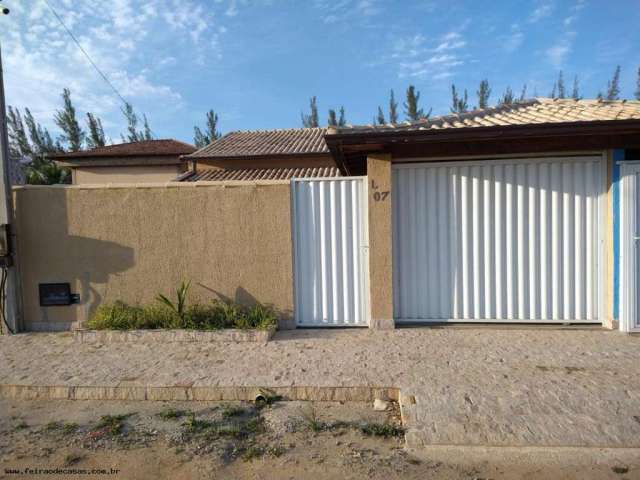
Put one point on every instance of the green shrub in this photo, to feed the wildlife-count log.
(116, 316)
(214, 316)
(205, 317)
(180, 306)
(260, 316)
(156, 316)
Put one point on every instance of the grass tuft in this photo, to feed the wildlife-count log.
(112, 424)
(385, 430)
(229, 411)
(72, 459)
(172, 414)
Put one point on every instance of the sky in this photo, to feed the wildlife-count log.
(257, 62)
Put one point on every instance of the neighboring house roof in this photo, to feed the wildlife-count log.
(147, 148)
(256, 143)
(244, 174)
(529, 112)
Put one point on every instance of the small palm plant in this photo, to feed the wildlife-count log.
(180, 307)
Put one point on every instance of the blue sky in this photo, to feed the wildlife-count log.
(257, 62)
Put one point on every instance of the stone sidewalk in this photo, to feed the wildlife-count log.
(466, 386)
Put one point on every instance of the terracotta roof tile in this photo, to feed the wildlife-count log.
(244, 174)
(266, 142)
(145, 148)
(529, 112)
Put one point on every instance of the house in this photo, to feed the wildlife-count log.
(136, 162)
(523, 213)
(509, 214)
(263, 155)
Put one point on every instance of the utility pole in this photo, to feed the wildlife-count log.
(9, 303)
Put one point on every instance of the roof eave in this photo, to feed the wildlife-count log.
(262, 156)
(120, 160)
(484, 133)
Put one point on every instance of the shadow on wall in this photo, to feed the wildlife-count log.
(243, 297)
(103, 259)
(99, 260)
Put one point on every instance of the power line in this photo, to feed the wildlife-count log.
(73, 37)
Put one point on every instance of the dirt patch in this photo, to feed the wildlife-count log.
(272, 440)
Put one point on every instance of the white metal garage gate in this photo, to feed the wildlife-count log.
(514, 240)
(331, 252)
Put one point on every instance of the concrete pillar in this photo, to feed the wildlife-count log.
(380, 241)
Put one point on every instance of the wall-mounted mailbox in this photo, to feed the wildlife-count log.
(56, 294)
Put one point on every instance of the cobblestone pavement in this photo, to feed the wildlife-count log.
(472, 386)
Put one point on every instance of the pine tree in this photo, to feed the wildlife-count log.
(18, 141)
(31, 145)
(393, 108)
(311, 120)
(560, 84)
(412, 108)
(380, 118)
(484, 92)
(613, 86)
(146, 132)
(523, 93)
(211, 131)
(459, 104)
(133, 134)
(333, 119)
(575, 91)
(72, 134)
(507, 97)
(41, 141)
(132, 123)
(95, 137)
(637, 93)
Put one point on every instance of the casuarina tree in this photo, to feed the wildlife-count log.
(72, 134)
(559, 90)
(211, 133)
(507, 97)
(484, 92)
(613, 86)
(412, 108)
(459, 104)
(95, 135)
(311, 120)
(393, 108)
(133, 134)
(575, 91)
(30, 146)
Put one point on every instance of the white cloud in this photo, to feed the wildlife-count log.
(129, 40)
(558, 52)
(334, 11)
(232, 10)
(435, 61)
(513, 40)
(540, 12)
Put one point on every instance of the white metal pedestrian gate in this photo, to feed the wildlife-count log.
(630, 244)
(331, 251)
(514, 240)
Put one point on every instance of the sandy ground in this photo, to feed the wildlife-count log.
(284, 440)
(472, 386)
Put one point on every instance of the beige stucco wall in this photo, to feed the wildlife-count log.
(125, 174)
(380, 240)
(131, 243)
